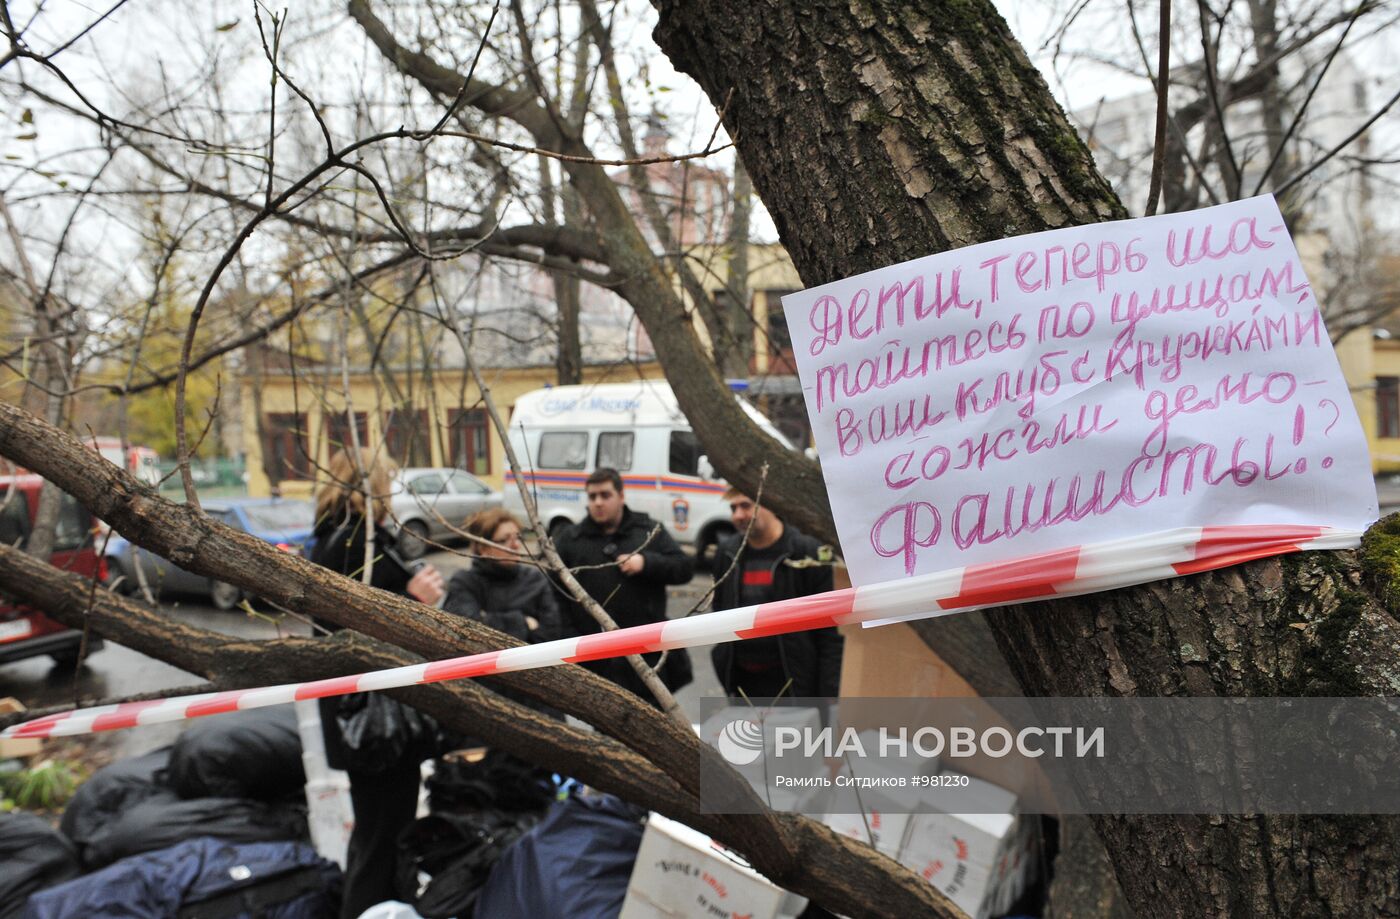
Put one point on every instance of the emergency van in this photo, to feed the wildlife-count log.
(563, 433)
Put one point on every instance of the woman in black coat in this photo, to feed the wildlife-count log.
(499, 589)
(384, 795)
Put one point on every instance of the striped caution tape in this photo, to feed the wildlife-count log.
(1064, 572)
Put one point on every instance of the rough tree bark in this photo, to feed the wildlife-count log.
(885, 130)
(796, 852)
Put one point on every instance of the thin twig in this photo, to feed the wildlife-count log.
(1159, 144)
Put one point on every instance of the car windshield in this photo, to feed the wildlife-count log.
(284, 515)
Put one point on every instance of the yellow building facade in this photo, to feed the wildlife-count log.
(442, 421)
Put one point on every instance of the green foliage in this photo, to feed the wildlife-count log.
(47, 785)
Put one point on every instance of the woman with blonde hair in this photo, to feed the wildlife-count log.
(502, 589)
(384, 794)
(340, 527)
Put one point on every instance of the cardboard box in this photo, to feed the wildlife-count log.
(876, 816)
(17, 747)
(976, 860)
(760, 771)
(893, 662)
(884, 832)
(681, 873)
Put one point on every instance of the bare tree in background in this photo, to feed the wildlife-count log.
(1266, 96)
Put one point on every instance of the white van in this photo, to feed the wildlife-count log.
(563, 433)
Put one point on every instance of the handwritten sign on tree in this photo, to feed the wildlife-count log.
(1078, 386)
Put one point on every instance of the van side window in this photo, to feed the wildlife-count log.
(563, 450)
(14, 518)
(615, 450)
(685, 453)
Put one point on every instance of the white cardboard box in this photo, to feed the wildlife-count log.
(971, 858)
(681, 873)
(760, 773)
(885, 832)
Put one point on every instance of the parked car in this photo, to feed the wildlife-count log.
(428, 503)
(284, 522)
(25, 632)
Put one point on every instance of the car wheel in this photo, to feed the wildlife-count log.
(557, 526)
(223, 596)
(413, 540)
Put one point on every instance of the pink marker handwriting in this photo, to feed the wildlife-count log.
(1040, 270)
(894, 305)
(929, 463)
(1131, 355)
(895, 361)
(1044, 377)
(1242, 389)
(987, 517)
(1213, 293)
(1196, 243)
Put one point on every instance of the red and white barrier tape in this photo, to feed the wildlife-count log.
(1065, 572)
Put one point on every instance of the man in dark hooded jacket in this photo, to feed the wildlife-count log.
(777, 562)
(624, 560)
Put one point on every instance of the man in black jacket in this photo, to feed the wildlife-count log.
(624, 560)
(776, 563)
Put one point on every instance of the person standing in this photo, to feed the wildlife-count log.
(777, 562)
(384, 795)
(624, 560)
(501, 588)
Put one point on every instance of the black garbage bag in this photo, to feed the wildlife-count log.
(110, 791)
(202, 879)
(33, 856)
(445, 859)
(378, 733)
(253, 754)
(576, 862)
(497, 781)
(165, 819)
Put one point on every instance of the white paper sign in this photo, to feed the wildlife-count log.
(1078, 386)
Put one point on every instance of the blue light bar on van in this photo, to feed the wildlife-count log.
(738, 385)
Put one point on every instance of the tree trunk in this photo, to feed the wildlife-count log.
(735, 357)
(568, 364)
(887, 130)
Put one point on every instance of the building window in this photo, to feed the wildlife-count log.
(338, 432)
(285, 454)
(779, 339)
(1388, 406)
(779, 344)
(470, 440)
(406, 437)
